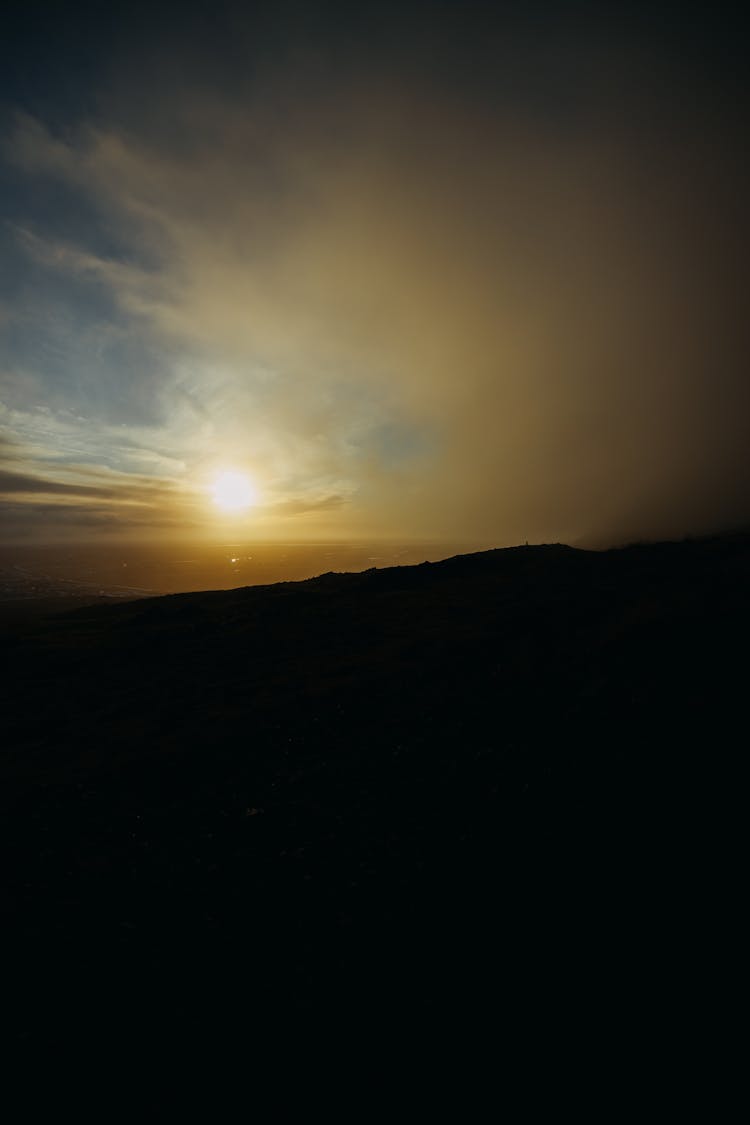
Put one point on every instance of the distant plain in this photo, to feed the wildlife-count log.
(37, 579)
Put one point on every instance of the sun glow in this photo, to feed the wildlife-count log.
(233, 492)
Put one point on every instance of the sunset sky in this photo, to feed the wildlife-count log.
(407, 270)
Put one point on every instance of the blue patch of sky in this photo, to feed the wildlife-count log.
(46, 206)
(91, 371)
(79, 351)
(375, 427)
(399, 444)
(67, 343)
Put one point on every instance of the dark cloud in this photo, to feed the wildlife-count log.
(129, 489)
(46, 522)
(18, 482)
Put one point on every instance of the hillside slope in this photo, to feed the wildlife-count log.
(378, 777)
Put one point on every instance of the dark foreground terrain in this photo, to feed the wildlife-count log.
(501, 774)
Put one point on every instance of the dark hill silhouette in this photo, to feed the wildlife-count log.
(499, 764)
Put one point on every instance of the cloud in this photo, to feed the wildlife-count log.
(413, 310)
(134, 287)
(299, 507)
(18, 482)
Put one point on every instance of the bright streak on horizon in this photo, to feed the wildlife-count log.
(234, 492)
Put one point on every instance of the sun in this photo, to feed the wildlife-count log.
(233, 492)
